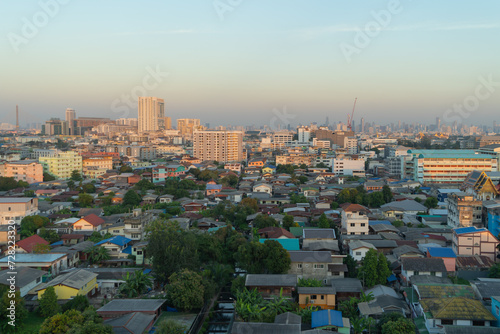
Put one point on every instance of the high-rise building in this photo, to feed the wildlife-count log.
(70, 118)
(54, 127)
(304, 134)
(186, 126)
(362, 125)
(151, 113)
(221, 146)
(62, 164)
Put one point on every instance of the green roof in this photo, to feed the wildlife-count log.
(420, 324)
(459, 308)
(445, 290)
(297, 231)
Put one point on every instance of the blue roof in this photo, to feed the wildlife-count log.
(117, 240)
(391, 278)
(127, 250)
(327, 318)
(214, 186)
(146, 271)
(441, 252)
(288, 244)
(33, 257)
(378, 222)
(58, 243)
(471, 229)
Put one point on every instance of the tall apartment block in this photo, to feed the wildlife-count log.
(221, 146)
(151, 113)
(187, 126)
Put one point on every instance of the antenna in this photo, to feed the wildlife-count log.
(17, 118)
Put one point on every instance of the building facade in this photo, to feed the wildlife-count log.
(475, 241)
(24, 170)
(221, 146)
(16, 208)
(151, 113)
(62, 164)
(464, 210)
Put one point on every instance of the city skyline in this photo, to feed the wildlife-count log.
(259, 61)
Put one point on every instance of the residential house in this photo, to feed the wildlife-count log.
(78, 282)
(51, 262)
(447, 254)
(460, 311)
(26, 279)
(120, 307)
(118, 246)
(359, 248)
(263, 188)
(272, 285)
(213, 188)
(259, 163)
(29, 244)
(88, 223)
(330, 320)
(347, 288)
(139, 251)
(354, 219)
(166, 198)
(475, 241)
(132, 323)
(273, 232)
(269, 169)
(323, 297)
(422, 266)
(310, 264)
(406, 251)
(397, 209)
(16, 208)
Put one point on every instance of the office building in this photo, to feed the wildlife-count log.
(70, 118)
(221, 146)
(55, 127)
(151, 113)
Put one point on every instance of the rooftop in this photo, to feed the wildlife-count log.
(132, 305)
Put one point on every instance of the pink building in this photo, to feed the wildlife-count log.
(447, 254)
(27, 170)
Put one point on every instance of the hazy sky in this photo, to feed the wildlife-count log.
(252, 62)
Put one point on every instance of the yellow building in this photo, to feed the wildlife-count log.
(94, 167)
(62, 164)
(67, 286)
(323, 297)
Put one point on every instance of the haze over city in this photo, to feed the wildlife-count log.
(219, 59)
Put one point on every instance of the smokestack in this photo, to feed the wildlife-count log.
(17, 118)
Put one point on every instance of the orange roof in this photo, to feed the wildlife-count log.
(349, 207)
(29, 243)
(93, 220)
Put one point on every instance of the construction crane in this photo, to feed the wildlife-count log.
(349, 117)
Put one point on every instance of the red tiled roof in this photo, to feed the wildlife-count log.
(29, 243)
(275, 232)
(349, 207)
(93, 220)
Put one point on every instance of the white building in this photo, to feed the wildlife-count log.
(354, 219)
(347, 166)
(151, 113)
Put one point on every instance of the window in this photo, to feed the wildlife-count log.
(322, 297)
(139, 252)
(416, 272)
(358, 253)
(319, 266)
(363, 224)
(352, 224)
(314, 297)
(446, 322)
(477, 323)
(299, 265)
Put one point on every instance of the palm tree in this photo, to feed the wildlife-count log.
(97, 254)
(135, 284)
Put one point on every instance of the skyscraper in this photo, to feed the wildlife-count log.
(186, 126)
(70, 118)
(221, 146)
(362, 125)
(151, 113)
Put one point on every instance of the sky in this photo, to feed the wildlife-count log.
(242, 62)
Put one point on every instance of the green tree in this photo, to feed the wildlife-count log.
(383, 270)
(288, 221)
(132, 198)
(309, 282)
(398, 223)
(85, 200)
(267, 258)
(368, 271)
(276, 258)
(89, 188)
(400, 326)
(250, 203)
(171, 327)
(494, 271)
(135, 284)
(48, 303)
(262, 221)
(41, 249)
(171, 249)
(126, 169)
(76, 176)
(7, 183)
(294, 199)
(334, 205)
(144, 185)
(431, 202)
(5, 310)
(230, 181)
(185, 290)
(78, 303)
(387, 194)
(351, 264)
(48, 177)
(324, 222)
(50, 235)
(97, 254)
(30, 224)
(302, 179)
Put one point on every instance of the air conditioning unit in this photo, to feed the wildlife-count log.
(312, 302)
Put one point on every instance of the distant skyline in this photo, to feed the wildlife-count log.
(234, 64)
